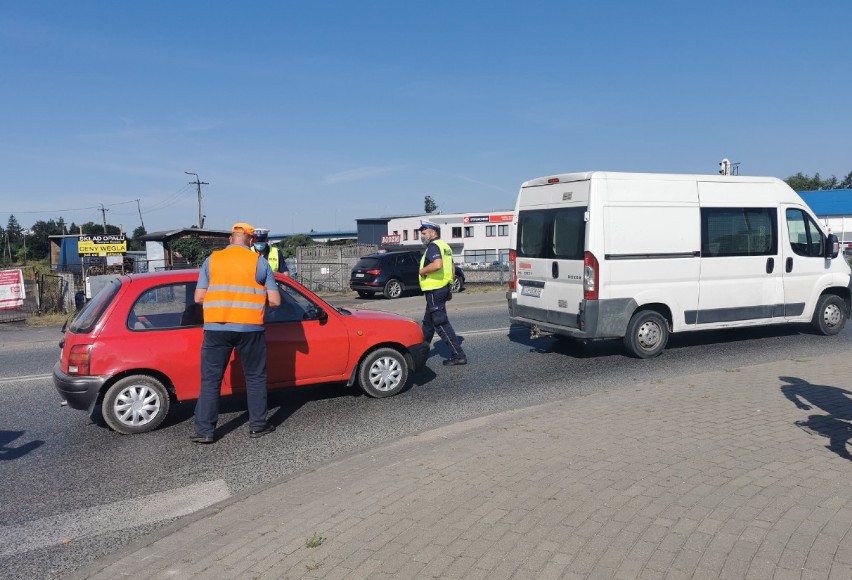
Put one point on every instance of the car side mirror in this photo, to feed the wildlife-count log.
(316, 313)
(832, 247)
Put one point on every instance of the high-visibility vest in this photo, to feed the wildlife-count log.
(234, 295)
(442, 277)
(272, 258)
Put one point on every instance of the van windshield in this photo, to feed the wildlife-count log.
(558, 233)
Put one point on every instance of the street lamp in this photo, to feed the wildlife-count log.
(198, 183)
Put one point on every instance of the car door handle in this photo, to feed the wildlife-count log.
(770, 265)
(789, 265)
(554, 269)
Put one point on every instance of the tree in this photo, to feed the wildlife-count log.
(288, 245)
(804, 182)
(13, 231)
(192, 249)
(429, 204)
(135, 243)
(38, 242)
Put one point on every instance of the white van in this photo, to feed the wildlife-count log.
(638, 256)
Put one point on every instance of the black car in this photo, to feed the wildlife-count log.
(392, 274)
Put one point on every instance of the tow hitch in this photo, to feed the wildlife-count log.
(536, 333)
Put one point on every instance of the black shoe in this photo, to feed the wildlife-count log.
(453, 361)
(202, 440)
(261, 432)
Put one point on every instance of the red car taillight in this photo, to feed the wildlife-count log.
(79, 359)
(374, 272)
(590, 276)
(513, 283)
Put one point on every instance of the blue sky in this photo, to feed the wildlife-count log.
(307, 115)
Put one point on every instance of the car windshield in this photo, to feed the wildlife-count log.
(88, 317)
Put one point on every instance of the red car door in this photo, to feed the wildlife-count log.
(303, 346)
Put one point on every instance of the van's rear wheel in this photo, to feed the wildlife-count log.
(830, 314)
(647, 334)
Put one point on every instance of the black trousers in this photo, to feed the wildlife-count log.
(436, 320)
(215, 352)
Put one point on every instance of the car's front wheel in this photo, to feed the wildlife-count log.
(393, 289)
(457, 285)
(383, 373)
(135, 404)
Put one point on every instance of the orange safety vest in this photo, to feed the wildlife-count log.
(234, 295)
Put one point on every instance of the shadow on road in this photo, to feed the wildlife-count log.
(834, 401)
(10, 453)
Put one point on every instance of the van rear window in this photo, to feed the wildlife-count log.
(558, 233)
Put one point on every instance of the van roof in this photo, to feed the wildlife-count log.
(586, 175)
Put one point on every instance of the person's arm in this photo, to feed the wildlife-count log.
(433, 253)
(282, 264)
(273, 295)
(203, 282)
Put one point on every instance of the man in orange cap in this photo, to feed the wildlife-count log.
(234, 286)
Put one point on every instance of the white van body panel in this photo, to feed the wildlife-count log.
(645, 233)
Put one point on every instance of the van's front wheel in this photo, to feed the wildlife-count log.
(830, 314)
(647, 334)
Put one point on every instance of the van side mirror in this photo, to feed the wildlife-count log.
(832, 247)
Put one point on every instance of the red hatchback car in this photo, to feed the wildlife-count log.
(136, 346)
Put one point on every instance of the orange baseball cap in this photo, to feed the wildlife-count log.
(242, 228)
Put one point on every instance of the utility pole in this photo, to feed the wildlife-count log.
(139, 208)
(198, 183)
(103, 213)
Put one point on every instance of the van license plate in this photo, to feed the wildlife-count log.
(531, 291)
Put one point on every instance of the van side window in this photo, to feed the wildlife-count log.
(806, 239)
(739, 231)
(552, 233)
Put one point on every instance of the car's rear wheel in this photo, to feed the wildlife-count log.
(135, 404)
(393, 289)
(383, 373)
(365, 294)
(647, 334)
(457, 285)
(830, 314)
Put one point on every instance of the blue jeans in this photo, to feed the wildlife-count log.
(435, 320)
(216, 350)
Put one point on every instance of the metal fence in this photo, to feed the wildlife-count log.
(327, 268)
(30, 302)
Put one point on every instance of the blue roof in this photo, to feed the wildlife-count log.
(827, 202)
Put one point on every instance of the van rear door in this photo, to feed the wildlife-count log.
(551, 241)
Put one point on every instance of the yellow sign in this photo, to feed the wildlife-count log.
(108, 245)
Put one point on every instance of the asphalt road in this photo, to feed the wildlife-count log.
(73, 490)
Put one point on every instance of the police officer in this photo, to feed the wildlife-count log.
(436, 279)
(272, 255)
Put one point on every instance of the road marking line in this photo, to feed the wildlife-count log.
(112, 517)
(505, 329)
(24, 378)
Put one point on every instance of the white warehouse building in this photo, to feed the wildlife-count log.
(476, 238)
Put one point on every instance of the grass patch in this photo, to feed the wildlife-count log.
(53, 319)
(315, 541)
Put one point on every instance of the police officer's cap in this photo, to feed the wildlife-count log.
(424, 225)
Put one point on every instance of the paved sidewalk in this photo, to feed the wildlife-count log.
(739, 473)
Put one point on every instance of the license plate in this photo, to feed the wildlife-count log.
(534, 291)
(359, 275)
